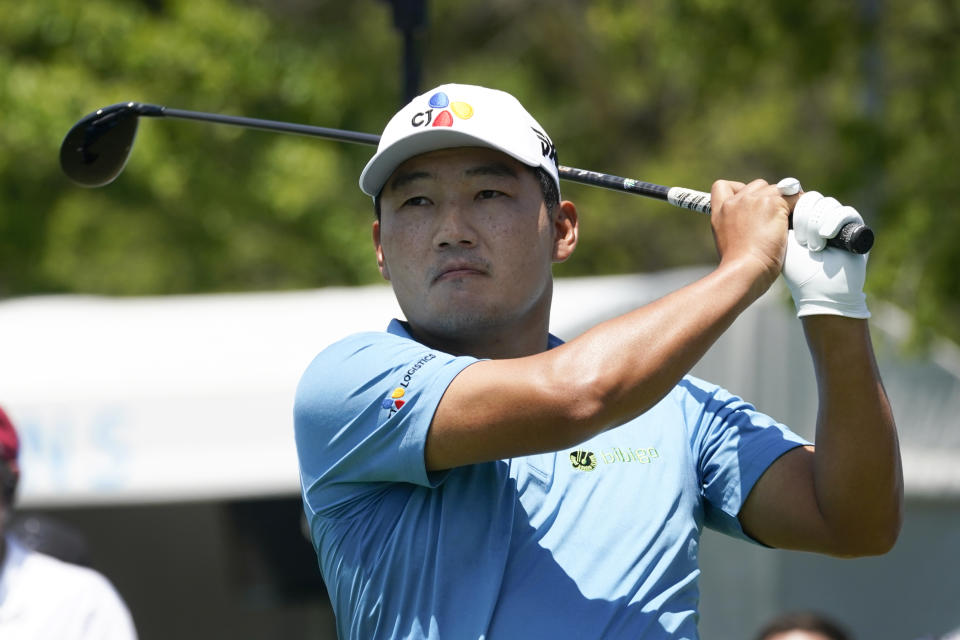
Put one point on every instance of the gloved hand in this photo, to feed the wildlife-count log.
(816, 219)
(828, 282)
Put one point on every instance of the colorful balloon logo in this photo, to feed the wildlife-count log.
(393, 401)
(440, 100)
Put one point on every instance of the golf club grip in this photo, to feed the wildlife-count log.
(854, 237)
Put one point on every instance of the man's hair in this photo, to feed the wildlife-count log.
(551, 194)
(803, 621)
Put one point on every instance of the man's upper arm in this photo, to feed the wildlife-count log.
(362, 412)
(782, 511)
(497, 409)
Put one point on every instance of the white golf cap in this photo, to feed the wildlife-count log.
(459, 115)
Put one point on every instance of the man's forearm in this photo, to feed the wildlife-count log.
(632, 361)
(857, 471)
(622, 368)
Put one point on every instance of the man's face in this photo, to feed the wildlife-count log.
(467, 243)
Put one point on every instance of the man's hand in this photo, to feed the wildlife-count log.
(824, 281)
(750, 226)
(816, 219)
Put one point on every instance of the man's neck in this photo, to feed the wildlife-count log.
(493, 345)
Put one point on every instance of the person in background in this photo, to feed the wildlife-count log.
(950, 635)
(804, 625)
(52, 537)
(41, 597)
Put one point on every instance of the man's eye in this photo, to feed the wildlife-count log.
(416, 201)
(488, 193)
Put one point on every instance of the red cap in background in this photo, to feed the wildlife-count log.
(9, 442)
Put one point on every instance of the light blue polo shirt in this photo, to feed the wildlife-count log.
(598, 541)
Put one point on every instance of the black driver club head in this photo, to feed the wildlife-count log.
(95, 150)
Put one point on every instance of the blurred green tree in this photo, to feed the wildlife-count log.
(857, 99)
(200, 207)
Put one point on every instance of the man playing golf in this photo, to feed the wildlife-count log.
(468, 475)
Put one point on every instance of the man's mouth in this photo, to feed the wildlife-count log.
(459, 270)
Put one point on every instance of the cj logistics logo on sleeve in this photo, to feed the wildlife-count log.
(396, 399)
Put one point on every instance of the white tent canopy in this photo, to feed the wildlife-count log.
(190, 397)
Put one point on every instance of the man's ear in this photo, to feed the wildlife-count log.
(378, 247)
(566, 229)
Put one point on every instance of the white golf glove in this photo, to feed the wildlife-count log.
(816, 219)
(830, 281)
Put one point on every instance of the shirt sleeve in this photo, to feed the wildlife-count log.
(733, 444)
(361, 416)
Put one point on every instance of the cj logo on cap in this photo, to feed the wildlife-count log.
(443, 118)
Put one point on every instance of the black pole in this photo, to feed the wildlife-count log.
(410, 17)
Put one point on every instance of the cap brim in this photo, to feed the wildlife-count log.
(385, 162)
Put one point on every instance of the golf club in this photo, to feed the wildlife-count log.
(95, 151)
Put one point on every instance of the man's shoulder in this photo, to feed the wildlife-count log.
(692, 390)
(394, 337)
(54, 576)
(43, 596)
(357, 342)
(363, 352)
(66, 573)
(357, 373)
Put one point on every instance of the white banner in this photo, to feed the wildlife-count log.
(191, 397)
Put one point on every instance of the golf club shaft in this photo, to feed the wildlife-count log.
(854, 237)
(271, 125)
(678, 196)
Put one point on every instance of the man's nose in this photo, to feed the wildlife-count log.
(454, 227)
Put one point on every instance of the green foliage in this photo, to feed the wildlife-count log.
(857, 99)
(200, 207)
